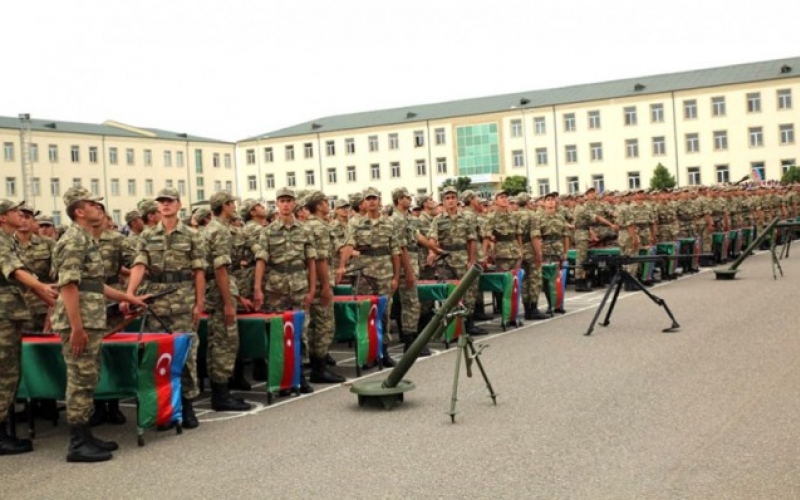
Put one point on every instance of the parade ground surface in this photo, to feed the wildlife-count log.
(710, 411)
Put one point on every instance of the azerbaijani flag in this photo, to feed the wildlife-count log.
(163, 357)
(757, 175)
(285, 338)
(369, 333)
(512, 297)
(647, 268)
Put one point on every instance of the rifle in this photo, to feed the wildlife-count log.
(113, 310)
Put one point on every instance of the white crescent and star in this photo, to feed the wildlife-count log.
(163, 370)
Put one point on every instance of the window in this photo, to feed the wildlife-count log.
(599, 183)
(75, 154)
(130, 157)
(227, 160)
(596, 151)
(95, 186)
(720, 140)
(228, 186)
(441, 165)
(717, 106)
(395, 168)
(252, 185)
(787, 133)
(594, 120)
(630, 115)
(250, 157)
(310, 180)
(573, 185)
(756, 135)
(350, 146)
(693, 174)
(539, 126)
(634, 180)
(659, 146)
(375, 171)
(217, 186)
(543, 186)
(34, 152)
(478, 149)
(148, 158)
(57, 217)
(76, 182)
(113, 156)
(516, 128)
(571, 152)
(269, 181)
(569, 122)
(723, 175)
(117, 217)
(331, 176)
(148, 187)
(785, 99)
(541, 156)
(308, 150)
(631, 148)
(114, 187)
(330, 148)
(11, 186)
(421, 168)
(289, 153)
(168, 183)
(179, 159)
(131, 187)
(690, 109)
(8, 151)
(393, 141)
(440, 137)
(786, 165)
(93, 154)
(36, 186)
(290, 179)
(268, 156)
(757, 169)
(754, 102)
(214, 160)
(52, 153)
(657, 113)
(198, 161)
(373, 143)
(351, 173)
(692, 143)
(55, 187)
(168, 158)
(519, 159)
(419, 138)
(182, 188)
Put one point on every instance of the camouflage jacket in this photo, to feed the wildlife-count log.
(219, 251)
(77, 259)
(285, 250)
(111, 248)
(377, 241)
(37, 255)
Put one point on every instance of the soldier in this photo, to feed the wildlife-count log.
(129, 244)
(587, 215)
(36, 253)
(13, 314)
(173, 256)
(202, 216)
(286, 258)
(79, 317)
(47, 228)
(476, 212)
(552, 233)
(531, 258)
(375, 239)
(150, 210)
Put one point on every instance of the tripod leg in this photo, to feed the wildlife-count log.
(659, 301)
(614, 281)
(462, 342)
(477, 357)
(620, 281)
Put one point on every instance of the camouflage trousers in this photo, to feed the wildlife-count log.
(288, 301)
(704, 235)
(409, 302)
(532, 283)
(10, 354)
(245, 278)
(320, 328)
(182, 323)
(83, 373)
(626, 248)
(581, 251)
(223, 346)
(686, 229)
(459, 261)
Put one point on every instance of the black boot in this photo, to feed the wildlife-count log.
(536, 314)
(408, 340)
(99, 443)
(479, 313)
(188, 418)
(320, 373)
(305, 387)
(221, 399)
(528, 310)
(474, 329)
(238, 382)
(260, 369)
(329, 360)
(100, 414)
(582, 285)
(82, 449)
(387, 360)
(10, 445)
(114, 415)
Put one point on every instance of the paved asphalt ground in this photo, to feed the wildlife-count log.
(711, 411)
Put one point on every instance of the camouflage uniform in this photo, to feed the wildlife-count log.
(409, 299)
(321, 324)
(246, 249)
(37, 256)
(552, 229)
(532, 283)
(584, 219)
(452, 233)
(503, 227)
(686, 212)
(667, 216)
(111, 247)
(703, 207)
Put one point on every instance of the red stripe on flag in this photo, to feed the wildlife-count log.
(372, 330)
(163, 380)
(514, 297)
(288, 350)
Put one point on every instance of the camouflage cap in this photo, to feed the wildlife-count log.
(356, 199)
(449, 190)
(8, 205)
(341, 203)
(552, 194)
(282, 192)
(315, 197)
(248, 205)
(45, 220)
(29, 209)
(201, 213)
(371, 191)
(399, 193)
(147, 207)
(132, 216)
(301, 204)
(523, 198)
(78, 194)
(589, 190)
(168, 193)
(422, 200)
(220, 198)
(500, 192)
(468, 195)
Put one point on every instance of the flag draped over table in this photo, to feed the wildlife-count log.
(285, 360)
(163, 357)
(369, 333)
(512, 297)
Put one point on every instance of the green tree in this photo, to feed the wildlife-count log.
(461, 184)
(515, 184)
(791, 175)
(662, 178)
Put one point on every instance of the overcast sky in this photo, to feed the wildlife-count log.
(234, 69)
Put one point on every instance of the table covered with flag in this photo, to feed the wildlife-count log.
(432, 290)
(358, 319)
(668, 267)
(690, 248)
(147, 368)
(719, 246)
(554, 285)
(509, 285)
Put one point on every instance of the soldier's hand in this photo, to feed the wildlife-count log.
(339, 274)
(410, 282)
(308, 300)
(394, 284)
(230, 314)
(78, 338)
(139, 301)
(258, 299)
(431, 258)
(47, 293)
(246, 304)
(197, 311)
(326, 296)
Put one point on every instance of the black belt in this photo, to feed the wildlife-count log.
(686, 219)
(551, 238)
(642, 225)
(112, 280)
(526, 238)
(294, 267)
(374, 252)
(505, 237)
(173, 277)
(93, 286)
(455, 247)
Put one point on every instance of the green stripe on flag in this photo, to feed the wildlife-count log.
(148, 397)
(362, 331)
(276, 347)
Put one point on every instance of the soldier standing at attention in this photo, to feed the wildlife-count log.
(476, 211)
(375, 239)
(136, 225)
(552, 234)
(47, 228)
(586, 215)
(531, 258)
(173, 255)
(286, 258)
(36, 254)
(13, 314)
(79, 317)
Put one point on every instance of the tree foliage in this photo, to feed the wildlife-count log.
(515, 184)
(791, 175)
(461, 184)
(662, 178)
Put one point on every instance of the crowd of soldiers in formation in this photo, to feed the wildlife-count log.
(228, 258)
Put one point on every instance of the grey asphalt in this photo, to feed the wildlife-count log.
(710, 411)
